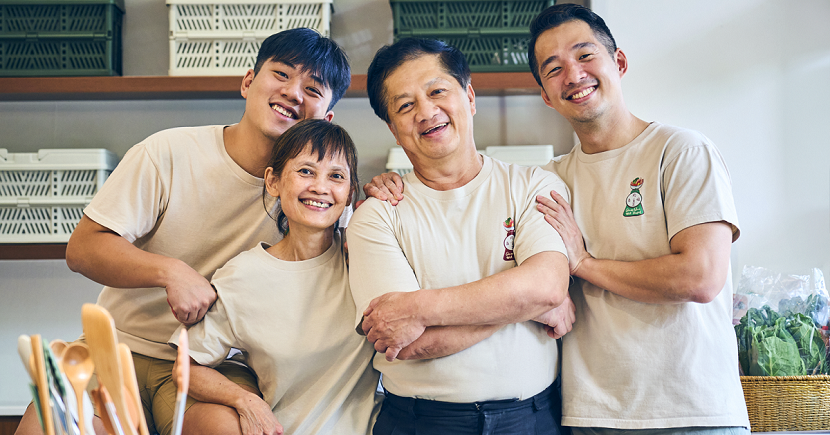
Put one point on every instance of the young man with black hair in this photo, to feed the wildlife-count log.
(648, 230)
(471, 275)
(186, 200)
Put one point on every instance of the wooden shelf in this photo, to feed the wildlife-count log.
(170, 88)
(52, 251)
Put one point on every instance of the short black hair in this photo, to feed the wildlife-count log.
(320, 137)
(307, 49)
(560, 14)
(390, 57)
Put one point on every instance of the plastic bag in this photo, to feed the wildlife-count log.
(781, 323)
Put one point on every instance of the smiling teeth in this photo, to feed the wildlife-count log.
(316, 204)
(583, 93)
(282, 111)
(435, 128)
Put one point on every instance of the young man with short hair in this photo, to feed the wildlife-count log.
(653, 349)
(186, 200)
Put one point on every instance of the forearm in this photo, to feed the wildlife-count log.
(695, 271)
(107, 258)
(516, 295)
(209, 386)
(440, 341)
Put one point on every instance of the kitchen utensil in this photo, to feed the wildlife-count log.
(39, 369)
(115, 423)
(182, 380)
(99, 330)
(24, 348)
(58, 346)
(77, 365)
(95, 395)
(131, 385)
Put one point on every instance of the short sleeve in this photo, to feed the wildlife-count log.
(212, 338)
(133, 197)
(533, 233)
(377, 264)
(697, 189)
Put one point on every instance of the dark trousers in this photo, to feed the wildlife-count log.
(540, 414)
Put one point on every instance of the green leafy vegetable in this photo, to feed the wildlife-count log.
(810, 345)
(770, 344)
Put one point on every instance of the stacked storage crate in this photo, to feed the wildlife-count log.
(43, 194)
(209, 38)
(492, 34)
(60, 37)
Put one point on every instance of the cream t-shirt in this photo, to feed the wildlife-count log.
(293, 322)
(633, 365)
(437, 239)
(177, 193)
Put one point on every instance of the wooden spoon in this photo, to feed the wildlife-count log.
(99, 330)
(77, 365)
(58, 346)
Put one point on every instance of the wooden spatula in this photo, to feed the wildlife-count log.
(42, 384)
(99, 330)
(131, 385)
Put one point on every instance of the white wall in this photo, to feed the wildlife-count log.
(750, 74)
(754, 76)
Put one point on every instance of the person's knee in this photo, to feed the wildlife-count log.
(210, 418)
(29, 424)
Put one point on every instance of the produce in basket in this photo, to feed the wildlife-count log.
(770, 344)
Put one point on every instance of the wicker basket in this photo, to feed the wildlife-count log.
(779, 403)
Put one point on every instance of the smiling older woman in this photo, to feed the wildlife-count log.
(288, 307)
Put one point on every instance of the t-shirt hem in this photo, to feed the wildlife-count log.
(148, 348)
(658, 423)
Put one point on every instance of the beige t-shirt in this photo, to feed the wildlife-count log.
(179, 194)
(438, 239)
(293, 322)
(632, 365)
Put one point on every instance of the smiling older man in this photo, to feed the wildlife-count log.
(467, 265)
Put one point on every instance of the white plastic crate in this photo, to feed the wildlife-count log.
(398, 161)
(208, 38)
(43, 194)
(525, 155)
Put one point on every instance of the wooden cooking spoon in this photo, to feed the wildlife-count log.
(77, 365)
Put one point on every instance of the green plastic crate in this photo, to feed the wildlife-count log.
(60, 37)
(492, 34)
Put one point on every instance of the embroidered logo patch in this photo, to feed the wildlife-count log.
(508, 240)
(634, 200)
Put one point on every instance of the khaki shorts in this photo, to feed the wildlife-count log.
(158, 391)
